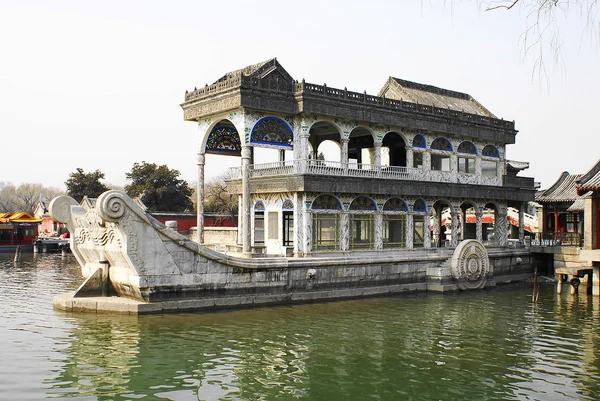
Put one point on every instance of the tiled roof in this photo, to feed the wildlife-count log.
(590, 181)
(563, 190)
(19, 217)
(400, 89)
(579, 203)
(258, 70)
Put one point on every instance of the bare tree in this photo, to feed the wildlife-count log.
(218, 199)
(25, 197)
(7, 197)
(542, 35)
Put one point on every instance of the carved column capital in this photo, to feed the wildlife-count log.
(200, 159)
(246, 152)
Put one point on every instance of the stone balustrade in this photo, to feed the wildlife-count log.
(340, 169)
(304, 88)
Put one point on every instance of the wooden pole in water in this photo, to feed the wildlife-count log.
(17, 254)
(536, 290)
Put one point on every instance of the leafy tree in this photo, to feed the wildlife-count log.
(82, 184)
(159, 188)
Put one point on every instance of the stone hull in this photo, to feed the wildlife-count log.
(134, 264)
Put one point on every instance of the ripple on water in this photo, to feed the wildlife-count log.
(483, 345)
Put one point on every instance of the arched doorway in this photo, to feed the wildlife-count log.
(393, 150)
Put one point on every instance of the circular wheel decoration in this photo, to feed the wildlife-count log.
(470, 265)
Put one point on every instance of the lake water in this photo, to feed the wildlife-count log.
(484, 345)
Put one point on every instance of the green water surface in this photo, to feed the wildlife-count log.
(484, 345)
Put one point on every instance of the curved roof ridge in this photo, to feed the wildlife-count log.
(564, 190)
(590, 181)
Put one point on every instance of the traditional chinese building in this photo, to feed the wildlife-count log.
(562, 212)
(403, 157)
(17, 229)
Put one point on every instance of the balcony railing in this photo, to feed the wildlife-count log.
(557, 239)
(335, 168)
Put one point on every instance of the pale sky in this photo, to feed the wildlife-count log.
(97, 85)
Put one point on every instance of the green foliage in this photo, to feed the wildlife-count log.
(82, 184)
(159, 188)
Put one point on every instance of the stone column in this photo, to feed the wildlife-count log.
(454, 226)
(501, 227)
(200, 199)
(427, 224)
(409, 157)
(246, 209)
(298, 224)
(479, 225)
(462, 222)
(302, 154)
(345, 231)
(377, 161)
(378, 231)
(308, 231)
(427, 165)
(410, 237)
(239, 220)
(344, 154)
(522, 223)
(436, 217)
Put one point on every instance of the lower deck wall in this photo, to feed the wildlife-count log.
(355, 277)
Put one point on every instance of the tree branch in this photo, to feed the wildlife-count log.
(503, 6)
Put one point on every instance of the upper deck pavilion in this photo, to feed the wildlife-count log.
(268, 87)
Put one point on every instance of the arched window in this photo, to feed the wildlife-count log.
(288, 222)
(419, 227)
(466, 164)
(362, 223)
(489, 168)
(224, 139)
(441, 144)
(395, 205)
(259, 223)
(272, 131)
(419, 146)
(326, 202)
(394, 224)
(467, 147)
(326, 223)
(363, 203)
(490, 151)
(441, 161)
(419, 141)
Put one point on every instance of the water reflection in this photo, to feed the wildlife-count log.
(484, 345)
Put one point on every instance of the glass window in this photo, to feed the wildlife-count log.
(419, 141)
(362, 231)
(440, 162)
(273, 225)
(418, 159)
(326, 229)
(394, 231)
(288, 228)
(490, 151)
(441, 144)
(466, 165)
(259, 228)
(418, 231)
(467, 147)
(489, 168)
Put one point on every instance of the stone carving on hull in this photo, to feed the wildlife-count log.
(470, 265)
